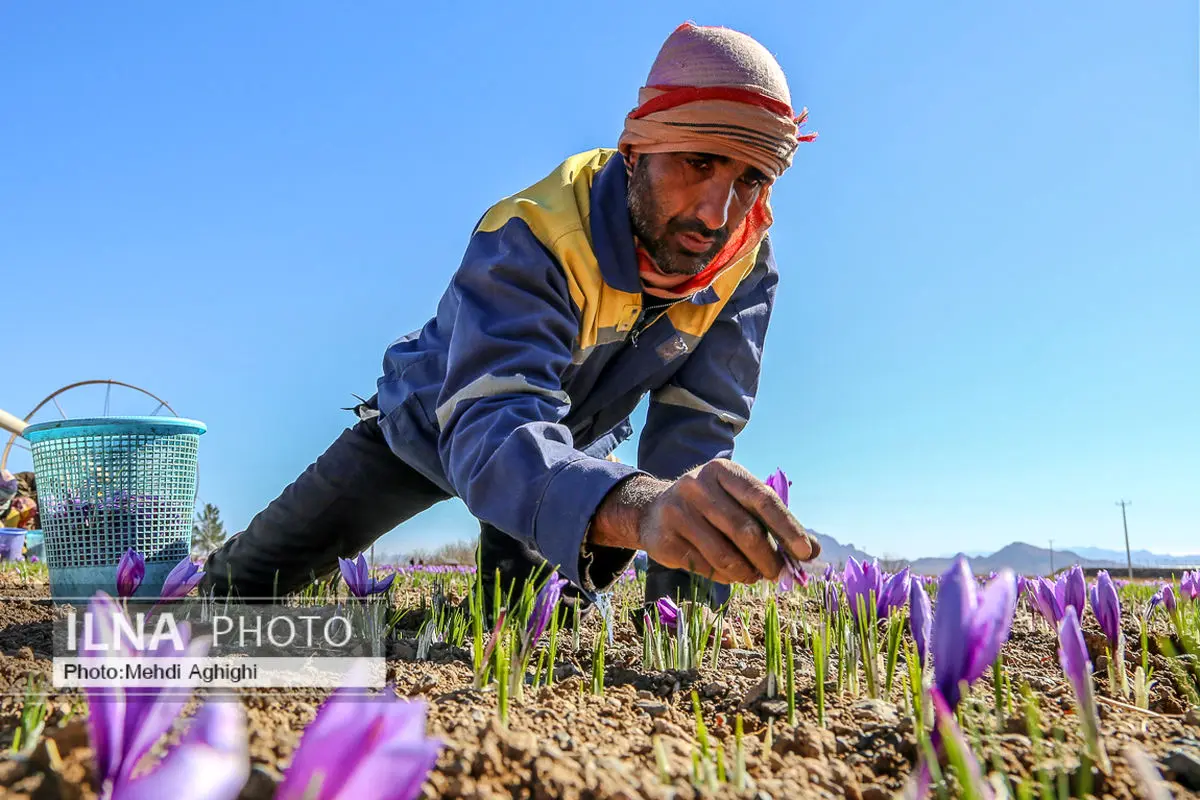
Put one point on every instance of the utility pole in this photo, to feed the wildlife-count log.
(1052, 558)
(1125, 524)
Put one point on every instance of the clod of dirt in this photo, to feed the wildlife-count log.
(651, 708)
(875, 711)
(807, 741)
(1192, 717)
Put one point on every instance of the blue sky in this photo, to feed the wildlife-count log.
(986, 328)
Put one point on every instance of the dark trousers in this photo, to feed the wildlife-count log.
(356, 491)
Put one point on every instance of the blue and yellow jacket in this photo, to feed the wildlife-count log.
(513, 394)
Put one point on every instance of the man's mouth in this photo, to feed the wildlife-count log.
(694, 243)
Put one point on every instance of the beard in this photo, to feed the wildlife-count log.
(656, 233)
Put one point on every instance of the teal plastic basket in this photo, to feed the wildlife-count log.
(107, 484)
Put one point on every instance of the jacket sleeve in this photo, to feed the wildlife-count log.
(696, 415)
(501, 442)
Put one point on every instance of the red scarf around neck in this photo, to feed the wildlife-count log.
(659, 284)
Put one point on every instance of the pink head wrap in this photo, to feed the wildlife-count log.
(718, 91)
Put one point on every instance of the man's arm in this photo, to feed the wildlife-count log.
(502, 444)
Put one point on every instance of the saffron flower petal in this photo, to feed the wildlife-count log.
(793, 574)
(893, 594)
(357, 575)
(861, 580)
(993, 622)
(780, 483)
(1106, 605)
(211, 761)
(1168, 598)
(1046, 599)
(181, 580)
(543, 607)
(357, 747)
(1071, 591)
(1189, 585)
(668, 613)
(131, 570)
(920, 619)
(832, 604)
(1072, 651)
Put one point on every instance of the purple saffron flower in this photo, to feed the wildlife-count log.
(828, 574)
(1042, 593)
(969, 627)
(789, 580)
(780, 483)
(1071, 591)
(181, 580)
(1168, 598)
(668, 613)
(211, 761)
(1155, 602)
(1189, 585)
(1073, 656)
(358, 577)
(920, 619)
(130, 572)
(362, 749)
(893, 595)
(1107, 607)
(543, 607)
(793, 574)
(832, 604)
(861, 580)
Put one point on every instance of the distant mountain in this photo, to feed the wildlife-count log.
(834, 552)
(1140, 558)
(1022, 558)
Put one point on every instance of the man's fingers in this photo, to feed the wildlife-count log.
(746, 532)
(759, 499)
(730, 565)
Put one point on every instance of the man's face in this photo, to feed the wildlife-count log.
(685, 205)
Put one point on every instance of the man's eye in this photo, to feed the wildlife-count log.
(700, 163)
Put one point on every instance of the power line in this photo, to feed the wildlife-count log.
(1125, 524)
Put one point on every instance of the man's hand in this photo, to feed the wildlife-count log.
(713, 522)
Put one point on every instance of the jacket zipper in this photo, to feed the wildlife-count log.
(639, 328)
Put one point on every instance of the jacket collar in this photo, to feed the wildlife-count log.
(612, 232)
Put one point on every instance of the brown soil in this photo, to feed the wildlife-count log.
(563, 743)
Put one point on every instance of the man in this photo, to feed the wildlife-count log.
(645, 269)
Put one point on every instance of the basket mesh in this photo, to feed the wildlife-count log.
(105, 488)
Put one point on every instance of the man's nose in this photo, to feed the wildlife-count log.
(713, 210)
